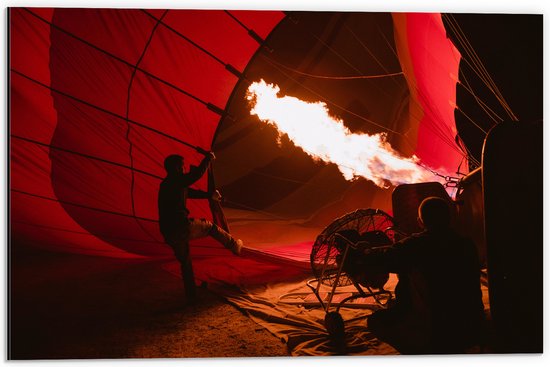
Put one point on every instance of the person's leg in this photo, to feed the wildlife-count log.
(181, 251)
(201, 228)
(400, 329)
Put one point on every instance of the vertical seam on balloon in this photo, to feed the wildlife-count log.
(128, 130)
(165, 82)
(111, 113)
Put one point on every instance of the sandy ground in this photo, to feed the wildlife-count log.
(78, 307)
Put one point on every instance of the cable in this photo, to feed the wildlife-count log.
(351, 112)
(255, 36)
(472, 121)
(255, 210)
(477, 65)
(328, 100)
(237, 20)
(372, 54)
(83, 206)
(188, 94)
(101, 235)
(160, 21)
(341, 57)
(337, 77)
(84, 155)
(490, 112)
(105, 110)
(442, 135)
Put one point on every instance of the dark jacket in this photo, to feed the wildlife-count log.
(439, 280)
(172, 199)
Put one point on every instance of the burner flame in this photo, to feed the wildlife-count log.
(326, 138)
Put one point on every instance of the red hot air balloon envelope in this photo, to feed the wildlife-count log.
(100, 96)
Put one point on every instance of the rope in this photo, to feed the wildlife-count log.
(102, 235)
(444, 136)
(338, 77)
(84, 206)
(470, 119)
(237, 20)
(85, 156)
(351, 112)
(468, 153)
(366, 48)
(328, 100)
(488, 110)
(106, 111)
(188, 94)
(450, 181)
(250, 31)
(477, 65)
(254, 209)
(336, 53)
(160, 21)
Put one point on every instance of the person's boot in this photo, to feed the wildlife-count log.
(235, 246)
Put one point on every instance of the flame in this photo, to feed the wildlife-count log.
(323, 137)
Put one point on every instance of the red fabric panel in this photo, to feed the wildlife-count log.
(260, 22)
(175, 114)
(89, 57)
(214, 30)
(32, 113)
(88, 74)
(87, 182)
(157, 13)
(86, 130)
(436, 77)
(45, 13)
(121, 32)
(36, 220)
(49, 227)
(29, 45)
(99, 198)
(430, 63)
(29, 171)
(173, 59)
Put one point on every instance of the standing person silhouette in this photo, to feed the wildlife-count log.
(176, 226)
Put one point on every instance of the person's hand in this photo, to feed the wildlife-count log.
(216, 196)
(209, 154)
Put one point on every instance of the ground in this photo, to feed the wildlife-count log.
(71, 306)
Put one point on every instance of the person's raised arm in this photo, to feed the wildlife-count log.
(195, 173)
(198, 194)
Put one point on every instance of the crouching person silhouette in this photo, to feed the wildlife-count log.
(438, 306)
(177, 227)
